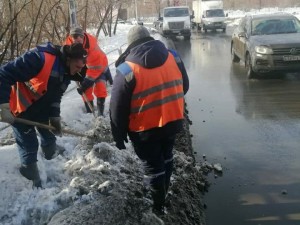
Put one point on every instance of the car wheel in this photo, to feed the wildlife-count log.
(250, 73)
(234, 57)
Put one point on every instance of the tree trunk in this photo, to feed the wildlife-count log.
(34, 25)
(85, 14)
(117, 17)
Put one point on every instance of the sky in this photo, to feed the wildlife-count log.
(19, 203)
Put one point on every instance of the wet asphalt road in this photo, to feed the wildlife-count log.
(251, 127)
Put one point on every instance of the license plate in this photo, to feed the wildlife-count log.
(291, 58)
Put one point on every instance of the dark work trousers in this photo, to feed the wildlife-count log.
(157, 157)
(27, 141)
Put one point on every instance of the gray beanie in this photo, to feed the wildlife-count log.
(76, 31)
(137, 32)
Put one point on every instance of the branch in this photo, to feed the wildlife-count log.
(43, 20)
(13, 19)
(34, 25)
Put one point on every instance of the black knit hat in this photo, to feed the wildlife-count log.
(74, 51)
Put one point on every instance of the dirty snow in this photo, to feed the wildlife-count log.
(87, 170)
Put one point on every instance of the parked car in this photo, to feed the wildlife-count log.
(137, 22)
(121, 21)
(128, 22)
(267, 43)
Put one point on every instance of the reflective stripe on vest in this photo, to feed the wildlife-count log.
(23, 94)
(157, 97)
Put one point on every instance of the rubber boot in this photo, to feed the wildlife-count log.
(51, 151)
(169, 170)
(100, 106)
(158, 193)
(88, 110)
(31, 172)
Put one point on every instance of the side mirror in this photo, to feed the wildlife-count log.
(203, 16)
(192, 17)
(226, 15)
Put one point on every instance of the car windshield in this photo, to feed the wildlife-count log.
(215, 13)
(176, 12)
(275, 26)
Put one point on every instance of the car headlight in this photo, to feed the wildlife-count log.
(263, 50)
(187, 26)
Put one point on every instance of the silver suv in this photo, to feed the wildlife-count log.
(267, 43)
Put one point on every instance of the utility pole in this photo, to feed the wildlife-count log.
(72, 10)
(259, 4)
(136, 12)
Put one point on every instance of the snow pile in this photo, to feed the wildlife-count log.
(93, 182)
(89, 174)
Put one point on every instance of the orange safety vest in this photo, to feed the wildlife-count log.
(23, 94)
(157, 97)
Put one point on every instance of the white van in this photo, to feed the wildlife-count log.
(177, 22)
(209, 15)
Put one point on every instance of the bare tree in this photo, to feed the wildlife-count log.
(6, 37)
(25, 23)
(102, 18)
(85, 14)
(117, 17)
(34, 24)
(158, 7)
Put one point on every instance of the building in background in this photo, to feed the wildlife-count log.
(153, 8)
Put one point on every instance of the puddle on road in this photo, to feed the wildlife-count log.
(252, 128)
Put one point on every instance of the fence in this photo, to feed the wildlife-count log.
(119, 50)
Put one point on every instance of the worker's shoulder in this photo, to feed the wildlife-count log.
(92, 39)
(91, 36)
(175, 54)
(124, 69)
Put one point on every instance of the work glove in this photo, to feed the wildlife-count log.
(56, 123)
(120, 143)
(84, 85)
(5, 114)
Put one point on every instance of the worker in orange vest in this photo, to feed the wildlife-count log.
(96, 72)
(31, 87)
(147, 103)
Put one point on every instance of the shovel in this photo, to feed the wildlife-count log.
(41, 125)
(87, 101)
